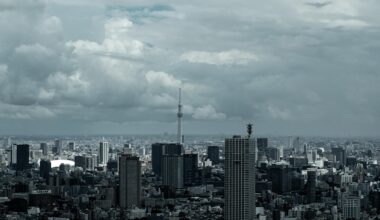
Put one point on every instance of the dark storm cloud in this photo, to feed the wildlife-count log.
(307, 67)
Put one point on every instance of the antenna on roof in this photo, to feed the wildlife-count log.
(249, 130)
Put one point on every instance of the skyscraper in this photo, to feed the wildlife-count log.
(57, 147)
(45, 168)
(351, 207)
(103, 153)
(213, 154)
(22, 157)
(159, 149)
(311, 186)
(72, 146)
(239, 183)
(262, 144)
(190, 168)
(44, 148)
(172, 171)
(273, 153)
(129, 181)
(13, 154)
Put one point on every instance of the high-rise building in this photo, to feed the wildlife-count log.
(91, 162)
(273, 153)
(351, 207)
(213, 154)
(103, 153)
(45, 169)
(262, 144)
(172, 171)
(7, 142)
(72, 146)
(22, 157)
(80, 161)
(297, 147)
(129, 181)
(280, 175)
(311, 186)
(57, 149)
(44, 148)
(340, 155)
(239, 182)
(190, 169)
(13, 154)
(160, 149)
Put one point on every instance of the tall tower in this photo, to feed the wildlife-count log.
(239, 184)
(22, 156)
(129, 181)
(179, 118)
(103, 153)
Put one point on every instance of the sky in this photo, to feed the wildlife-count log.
(291, 67)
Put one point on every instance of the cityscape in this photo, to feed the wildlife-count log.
(165, 177)
(187, 110)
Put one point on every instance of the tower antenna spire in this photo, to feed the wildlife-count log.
(249, 130)
(179, 118)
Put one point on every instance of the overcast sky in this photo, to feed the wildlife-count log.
(292, 67)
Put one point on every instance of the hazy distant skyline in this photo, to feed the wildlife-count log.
(291, 67)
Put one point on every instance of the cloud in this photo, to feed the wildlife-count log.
(231, 57)
(207, 112)
(284, 67)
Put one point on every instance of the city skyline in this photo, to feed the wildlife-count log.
(113, 67)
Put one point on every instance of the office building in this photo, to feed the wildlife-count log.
(351, 207)
(57, 149)
(311, 186)
(239, 183)
(172, 171)
(80, 161)
(13, 154)
(72, 146)
(129, 181)
(22, 157)
(103, 153)
(262, 144)
(213, 154)
(44, 148)
(190, 169)
(45, 169)
(339, 154)
(280, 175)
(160, 149)
(273, 153)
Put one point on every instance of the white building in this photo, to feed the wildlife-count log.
(103, 153)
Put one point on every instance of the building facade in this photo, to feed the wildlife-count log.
(239, 183)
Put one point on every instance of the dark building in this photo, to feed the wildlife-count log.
(22, 157)
(129, 181)
(213, 154)
(45, 169)
(159, 149)
(340, 155)
(311, 186)
(274, 153)
(190, 169)
(80, 161)
(112, 165)
(172, 171)
(262, 144)
(280, 177)
(44, 148)
(298, 161)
